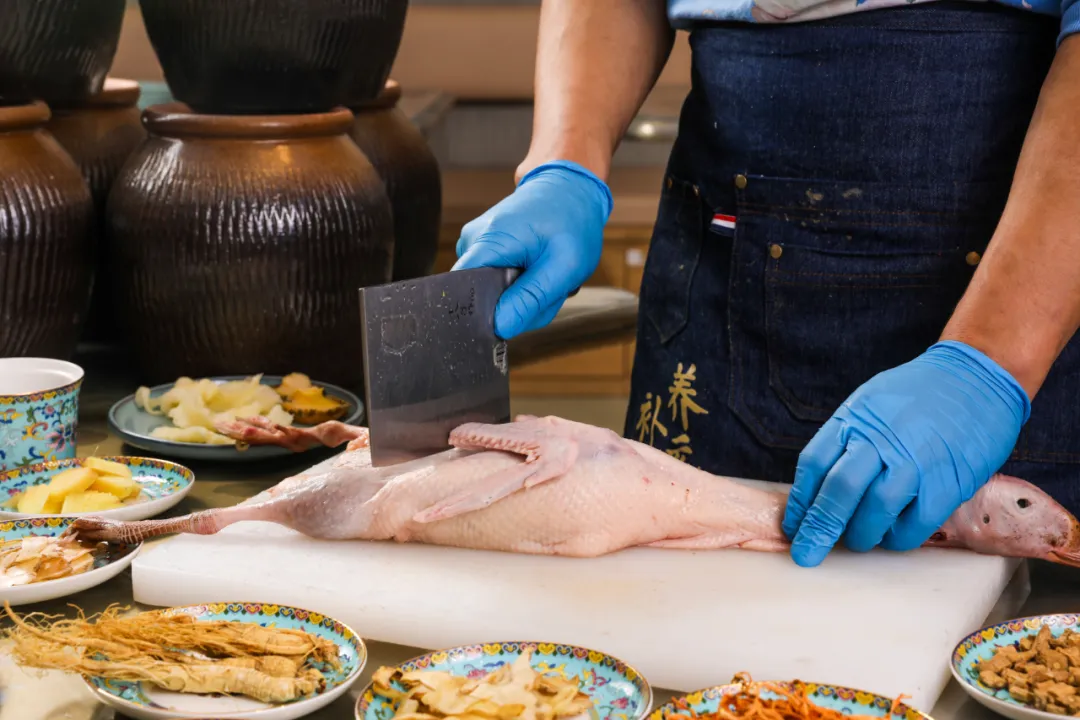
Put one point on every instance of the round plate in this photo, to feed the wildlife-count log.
(162, 483)
(833, 697)
(982, 644)
(133, 426)
(146, 702)
(106, 567)
(618, 691)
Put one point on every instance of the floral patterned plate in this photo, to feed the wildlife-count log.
(844, 700)
(981, 645)
(618, 691)
(134, 426)
(112, 562)
(162, 485)
(146, 702)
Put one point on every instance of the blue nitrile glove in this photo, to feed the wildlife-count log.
(552, 226)
(903, 452)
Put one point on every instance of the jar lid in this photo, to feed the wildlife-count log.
(179, 120)
(20, 115)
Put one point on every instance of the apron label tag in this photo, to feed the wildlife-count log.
(723, 225)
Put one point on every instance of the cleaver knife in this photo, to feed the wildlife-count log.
(432, 360)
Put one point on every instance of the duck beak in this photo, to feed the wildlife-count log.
(1070, 553)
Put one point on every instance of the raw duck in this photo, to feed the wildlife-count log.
(556, 487)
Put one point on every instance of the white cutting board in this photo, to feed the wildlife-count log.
(883, 622)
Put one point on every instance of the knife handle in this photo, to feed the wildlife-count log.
(512, 274)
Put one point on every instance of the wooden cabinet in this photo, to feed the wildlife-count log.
(598, 372)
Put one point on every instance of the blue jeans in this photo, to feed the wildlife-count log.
(863, 162)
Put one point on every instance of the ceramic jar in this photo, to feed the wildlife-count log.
(240, 244)
(410, 171)
(46, 238)
(274, 56)
(39, 410)
(99, 136)
(58, 51)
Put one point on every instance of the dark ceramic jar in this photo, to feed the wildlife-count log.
(46, 241)
(99, 136)
(274, 56)
(240, 244)
(58, 51)
(411, 174)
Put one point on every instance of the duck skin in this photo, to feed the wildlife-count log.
(555, 487)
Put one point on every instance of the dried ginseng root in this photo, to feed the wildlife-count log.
(175, 653)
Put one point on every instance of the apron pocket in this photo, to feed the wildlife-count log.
(835, 282)
(673, 257)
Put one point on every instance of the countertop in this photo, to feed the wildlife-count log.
(53, 696)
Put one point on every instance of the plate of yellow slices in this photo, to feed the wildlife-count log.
(115, 487)
(183, 419)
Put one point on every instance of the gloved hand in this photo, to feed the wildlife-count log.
(903, 452)
(552, 226)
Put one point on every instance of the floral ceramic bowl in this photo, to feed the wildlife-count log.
(982, 644)
(618, 691)
(139, 700)
(162, 484)
(39, 410)
(832, 697)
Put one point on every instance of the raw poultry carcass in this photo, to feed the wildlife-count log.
(556, 487)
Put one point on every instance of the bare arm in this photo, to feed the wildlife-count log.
(1023, 303)
(596, 62)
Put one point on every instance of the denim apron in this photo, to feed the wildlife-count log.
(830, 194)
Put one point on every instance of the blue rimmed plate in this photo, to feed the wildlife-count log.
(134, 426)
(146, 702)
(618, 691)
(114, 559)
(981, 645)
(845, 700)
(162, 484)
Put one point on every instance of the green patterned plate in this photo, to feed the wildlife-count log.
(832, 697)
(147, 702)
(618, 691)
(162, 484)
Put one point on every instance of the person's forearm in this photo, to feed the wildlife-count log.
(1023, 303)
(596, 62)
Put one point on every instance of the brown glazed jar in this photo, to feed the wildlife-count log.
(46, 239)
(274, 56)
(411, 174)
(100, 136)
(240, 244)
(58, 51)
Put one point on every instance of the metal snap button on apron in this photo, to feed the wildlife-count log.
(740, 181)
(775, 251)
(973, 258)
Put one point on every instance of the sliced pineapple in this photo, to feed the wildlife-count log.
(70, 481)
(34, 500)
(89, 501)
(107, 467)
(122, 487)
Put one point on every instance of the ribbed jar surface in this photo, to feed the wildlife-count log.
(46, 240)
(240, 245)
(100, 136)
(410, 171)
(58, 51)
(274, 56)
